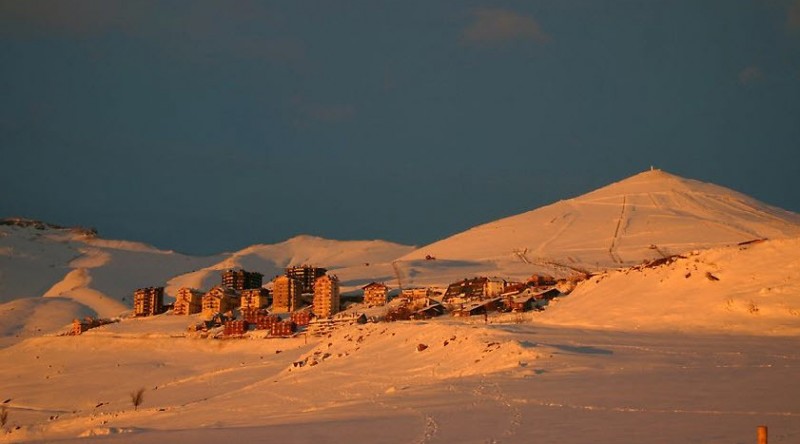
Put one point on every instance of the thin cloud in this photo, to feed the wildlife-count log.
(497, 26)
(73, 18)
(750, 74)
(203, 31)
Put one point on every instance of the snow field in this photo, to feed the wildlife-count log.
(530, 383)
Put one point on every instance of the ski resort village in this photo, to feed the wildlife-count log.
(656, 309)
(308, 298)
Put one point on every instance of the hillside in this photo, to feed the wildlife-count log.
(648, 216)
(644, 217)
(473, 383)
(50, 274)
(753, 288)
(356, 263)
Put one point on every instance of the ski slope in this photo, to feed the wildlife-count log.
(644, 217)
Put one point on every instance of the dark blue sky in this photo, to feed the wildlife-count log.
(208, 126)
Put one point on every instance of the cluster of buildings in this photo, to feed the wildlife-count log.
(307, 296)
(243, 290)
(475, 296)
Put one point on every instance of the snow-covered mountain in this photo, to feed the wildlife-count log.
(716, 323)
(644, 217)
(50, 275)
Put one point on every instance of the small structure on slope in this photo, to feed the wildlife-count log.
(477, 308)
(235, 328)
(470, 290)
(432, 310)
(324, 326)
(282, 329)
(88, 323)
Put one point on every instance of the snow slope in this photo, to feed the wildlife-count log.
(475, 383)
(356, 263)
(753, 288)
(644, 217)
(84, 275)
(698, 348)
(50, 275)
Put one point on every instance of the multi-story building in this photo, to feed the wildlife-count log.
(255, 298)
(417, 298)
(220, 299)
(326, 296)
(306, 275)
(467, 290)
(412, 294)
(188, 301)
(375, 294)
(241, 279)
(285, 294)
(148, 301)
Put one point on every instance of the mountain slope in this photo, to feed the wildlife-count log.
(644, 217)
(355, 262)
(51, 274)
(752, 288)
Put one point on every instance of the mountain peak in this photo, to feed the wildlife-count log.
(658, 181)
(649, 215)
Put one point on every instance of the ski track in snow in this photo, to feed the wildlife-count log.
(701, 211)
(492, 391)
(568, 221)
(615, 239)
(738, 206)
(431, 427)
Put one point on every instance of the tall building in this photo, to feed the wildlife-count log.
(188, 301)
(241, 279)
(306, 275)
(254, 298)
(326, 296)
(148, 301)
(375, 294)
(285, 294)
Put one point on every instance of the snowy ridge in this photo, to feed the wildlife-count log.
(648, 216)
(645, 217)
(78, 274)
(752, 288)
(85, 275)
(713, 354)
(355, 262)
